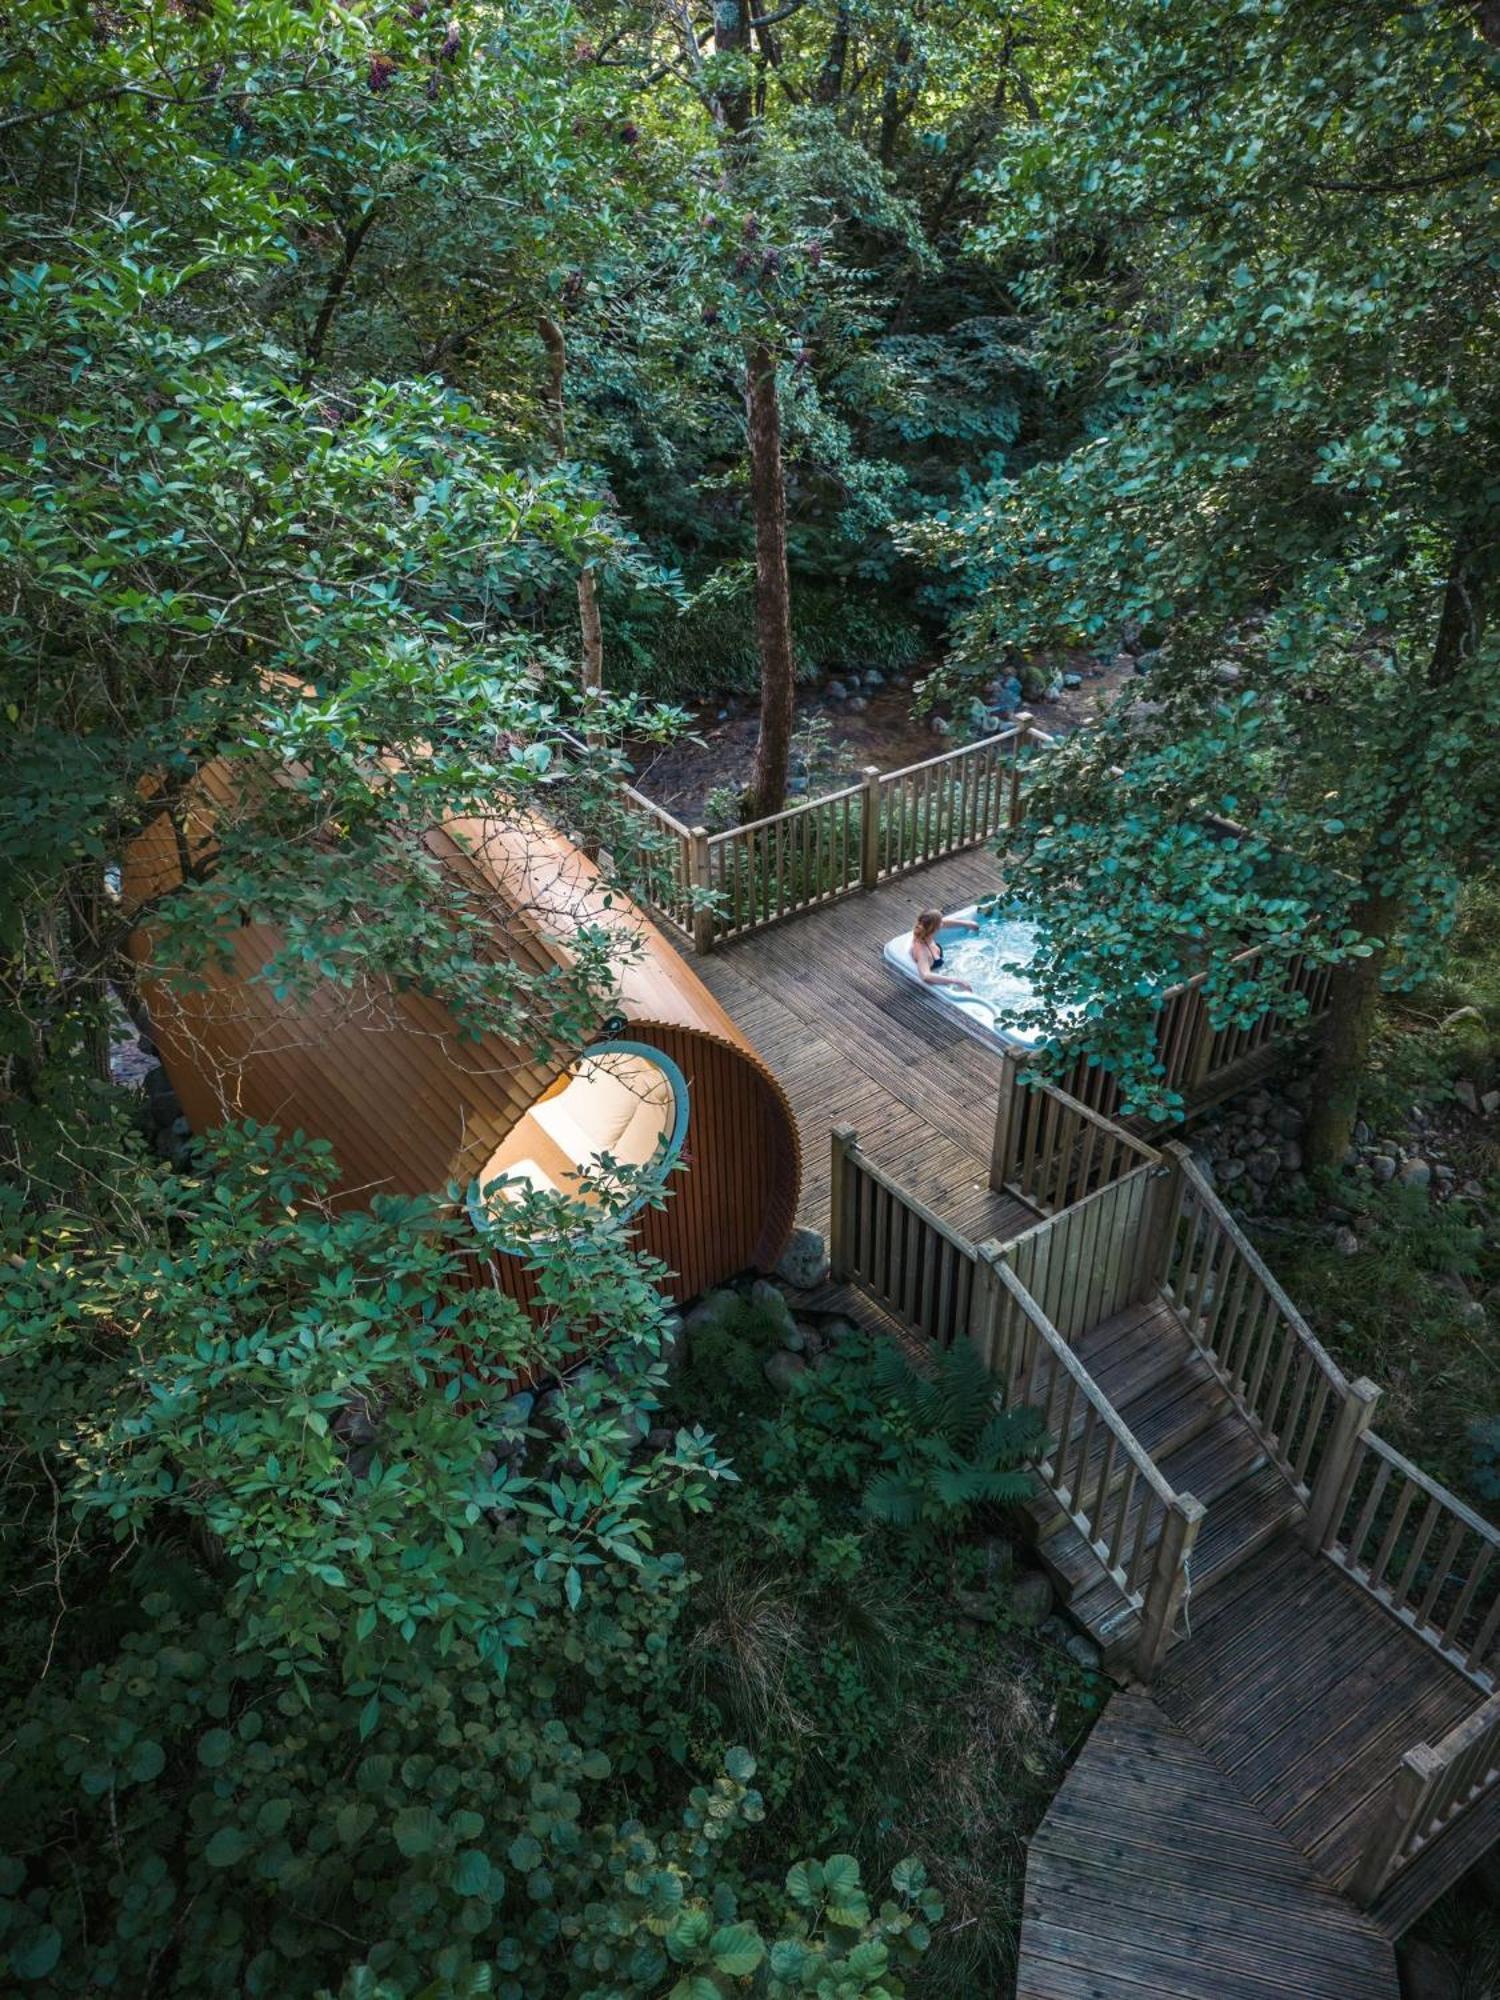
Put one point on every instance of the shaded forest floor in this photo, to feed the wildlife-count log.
(836, 740)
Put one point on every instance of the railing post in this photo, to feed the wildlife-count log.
(990, 1316)
(698, 877)
(1336, 1475)
(869, 827)
(1024, 721)
(1161, 1221)
(840, 1245)
(1170, 1584)
(1006, 1110)
(1415, 1777)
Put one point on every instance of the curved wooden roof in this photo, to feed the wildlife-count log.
(385, 1075)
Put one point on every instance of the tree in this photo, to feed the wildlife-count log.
(1261, 266)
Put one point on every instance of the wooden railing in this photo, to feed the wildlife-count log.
(1094, 1467)
(715, 886)
(661, 861)
(893, 1247)
(945, 804)
(1092, 1259)
(1050, 1148)
(1277, 1373)
(791, 861)
(1430, 1560)
(936, 1283)
(1434, 1784)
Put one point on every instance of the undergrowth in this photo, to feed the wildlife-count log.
(867, 1650)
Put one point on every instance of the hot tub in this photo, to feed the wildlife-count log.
(994, 960)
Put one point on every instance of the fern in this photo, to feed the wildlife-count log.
(950, 1446)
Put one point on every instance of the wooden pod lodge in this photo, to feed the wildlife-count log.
(411, 1105)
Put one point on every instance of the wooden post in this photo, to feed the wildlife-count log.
(869, 827)
(1170, 1583)
(1005, 1119)
(1415, 1777)
(1024, 722)
(1336, 1475)
(840, 1235)
(698, 877)
(988, 1312)
(1160, 1228)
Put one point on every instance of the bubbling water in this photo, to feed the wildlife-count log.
(995, 960)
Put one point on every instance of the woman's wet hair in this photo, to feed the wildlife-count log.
(927, 922)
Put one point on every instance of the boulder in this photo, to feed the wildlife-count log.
(674, 1340)
(836, 691)
(1383, 1168)
(1466, 1094)
(1072, 680)
(1490, 1103)
(1080, 1648)
(782, 1369)
(804, 1262)
(1263, 1164)
(1345, 1242)
(1030, 1599)
(1291, 1156)
(857, 704)
(941, 726)
(1415, 1172)
(772, 1302)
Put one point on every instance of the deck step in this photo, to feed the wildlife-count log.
(1242, 1516)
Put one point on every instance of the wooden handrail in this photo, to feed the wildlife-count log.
(1050, 1147)
(895, 1247)
(1275, 1371)
(659, 812)
(797, 811)
(1126, 1439)
(1012, 735)
(1089, 1260)
(1434, 1785)
(1109, 1486)
(1419, 1551)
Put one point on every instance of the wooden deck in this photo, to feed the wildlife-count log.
(1203, 1844)
(1151, 1878)
(855, 1044)
(1216, 1838)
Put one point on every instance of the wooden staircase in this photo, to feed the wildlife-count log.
(1174, 1405)
(1311, 1752)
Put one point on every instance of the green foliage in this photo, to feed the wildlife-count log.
(836, 1643)
(949, 1447)
(1259, 265)
(1393, 1312)
(392, 1642)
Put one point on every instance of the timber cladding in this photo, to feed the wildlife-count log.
(409, 1104)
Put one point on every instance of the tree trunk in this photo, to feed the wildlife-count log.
(830, 85)
(773, 611)
(1354, 991)
(1344, 1048)
(593, 632)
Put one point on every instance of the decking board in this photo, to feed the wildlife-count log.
(853, 1043)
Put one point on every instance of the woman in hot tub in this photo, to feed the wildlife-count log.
(927, 953)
